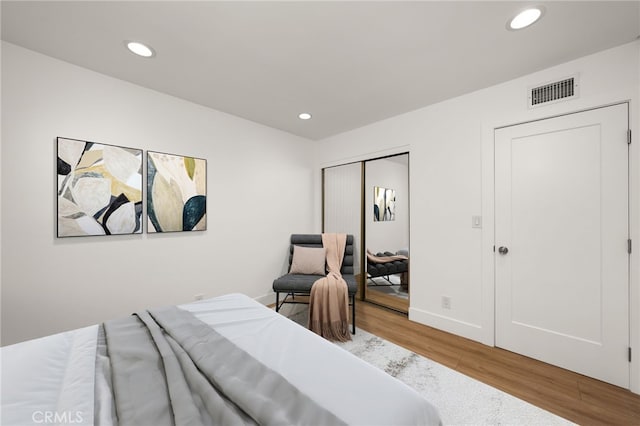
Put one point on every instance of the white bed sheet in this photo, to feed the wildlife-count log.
(355, 391)
(50, 380)
(55, 375)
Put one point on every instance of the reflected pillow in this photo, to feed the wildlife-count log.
(308, 260)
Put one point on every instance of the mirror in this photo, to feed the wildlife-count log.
(386, 231)
(342, 205)
(370, 199)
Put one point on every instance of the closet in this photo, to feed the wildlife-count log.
(370, 199)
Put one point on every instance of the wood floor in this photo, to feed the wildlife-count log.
(394, 302)
(570, 395)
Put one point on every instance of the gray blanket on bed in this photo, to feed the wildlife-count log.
(170, 368)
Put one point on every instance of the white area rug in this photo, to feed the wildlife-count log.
(460, 399)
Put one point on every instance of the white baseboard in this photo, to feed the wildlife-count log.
(448, 324)
(266, 299)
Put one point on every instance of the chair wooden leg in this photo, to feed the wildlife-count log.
(277, 301)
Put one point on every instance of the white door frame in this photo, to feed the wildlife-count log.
(488, 213)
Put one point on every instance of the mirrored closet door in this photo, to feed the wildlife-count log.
(342, 207)
(386, 196)
(370, 199)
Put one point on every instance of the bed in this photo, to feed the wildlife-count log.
(69, 377)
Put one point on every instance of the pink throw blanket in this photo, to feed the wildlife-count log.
(329, 301)
(384, 259)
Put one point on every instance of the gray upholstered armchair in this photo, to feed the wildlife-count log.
(292, 285)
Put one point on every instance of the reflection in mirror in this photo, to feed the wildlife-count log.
(384, 204)
(387, 231)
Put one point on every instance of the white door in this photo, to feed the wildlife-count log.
(561, 224)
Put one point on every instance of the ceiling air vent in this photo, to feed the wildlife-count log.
(553, 92)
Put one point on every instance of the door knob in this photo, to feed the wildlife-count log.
(503, 250)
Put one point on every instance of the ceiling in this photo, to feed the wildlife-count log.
(347, 63)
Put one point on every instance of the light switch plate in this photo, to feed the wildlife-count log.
(476, 221)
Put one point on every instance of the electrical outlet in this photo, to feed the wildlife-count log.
(446, 302)
(199, 296)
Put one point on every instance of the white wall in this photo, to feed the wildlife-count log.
(391, 235)
(450, 146)
(260, 185)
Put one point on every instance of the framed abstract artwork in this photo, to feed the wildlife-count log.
(99, 189)
(384, 204)
(176, 193)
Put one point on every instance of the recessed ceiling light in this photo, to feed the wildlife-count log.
(304, 116)
(140, 49)
(525, 18)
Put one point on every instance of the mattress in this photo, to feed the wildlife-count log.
(65, 378)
